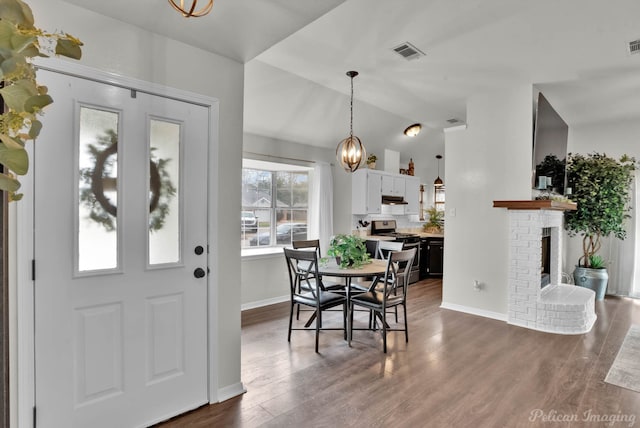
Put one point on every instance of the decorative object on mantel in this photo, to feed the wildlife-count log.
(434, 223)
(550, 173)
(413, 130)
(350, 151)
(438, 181)
(411, 167)
(349, 250)
(371, 161)
(23, 97)
(191, 12)
(601, 187)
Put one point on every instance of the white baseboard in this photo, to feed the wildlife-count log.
(474, 311)
(231, 391)
(266, 302)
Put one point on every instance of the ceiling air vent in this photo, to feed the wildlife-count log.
(634, 47)
(408, 51)
(453, 120)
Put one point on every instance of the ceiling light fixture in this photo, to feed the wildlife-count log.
(413, 130)
(438, 181)
(351, 152)
(189, 12)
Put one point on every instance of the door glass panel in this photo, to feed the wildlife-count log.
(164, 198)
(98, 190)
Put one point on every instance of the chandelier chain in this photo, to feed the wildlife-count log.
(351, 107)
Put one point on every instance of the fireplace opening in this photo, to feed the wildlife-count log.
(545, 265)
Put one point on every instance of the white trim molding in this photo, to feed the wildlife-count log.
(266, 302)
(474, 311)
(230, 391)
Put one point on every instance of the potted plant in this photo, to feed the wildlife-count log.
(434, 222)
(371, 161)
(349, 250)
(601, 188)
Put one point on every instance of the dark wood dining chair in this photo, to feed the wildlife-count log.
(315, 243)
(312, 293)
(391, 293)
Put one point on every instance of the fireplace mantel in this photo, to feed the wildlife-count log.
(542, 204)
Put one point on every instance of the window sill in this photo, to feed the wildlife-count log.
(261, 253)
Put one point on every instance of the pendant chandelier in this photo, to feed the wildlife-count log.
(438, 181)
(189, 12)
(351, 152)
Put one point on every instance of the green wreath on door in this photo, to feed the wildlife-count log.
(100, 178)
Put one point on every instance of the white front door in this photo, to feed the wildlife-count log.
(120, 256)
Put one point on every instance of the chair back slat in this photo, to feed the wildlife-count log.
(308, 243)
(384, 247)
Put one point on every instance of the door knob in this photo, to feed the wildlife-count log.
(199, 273)
(198, 250)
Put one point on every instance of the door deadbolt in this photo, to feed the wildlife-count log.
(198, 250)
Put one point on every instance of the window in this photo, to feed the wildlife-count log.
(275, 201)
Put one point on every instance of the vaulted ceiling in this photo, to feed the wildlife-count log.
(298, 51)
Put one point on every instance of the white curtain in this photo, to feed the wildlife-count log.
(635, 214)
(321, 205)
(624, 257)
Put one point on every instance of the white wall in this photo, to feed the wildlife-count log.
(264, 278)
(113, 46)
(614, 139)
(490, 160)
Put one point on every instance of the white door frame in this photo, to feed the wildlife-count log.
(22, 215)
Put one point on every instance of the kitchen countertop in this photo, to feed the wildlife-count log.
(430, 235)
(391, 238)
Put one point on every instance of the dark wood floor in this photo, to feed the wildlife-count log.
(457, 370)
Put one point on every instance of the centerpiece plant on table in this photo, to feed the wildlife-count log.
(349, 251)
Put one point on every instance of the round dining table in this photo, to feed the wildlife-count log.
(375, 269)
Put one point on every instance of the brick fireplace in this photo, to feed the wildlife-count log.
(556, 307)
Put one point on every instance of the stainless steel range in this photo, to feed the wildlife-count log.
(410, 240)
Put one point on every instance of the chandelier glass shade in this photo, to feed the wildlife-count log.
(351, 152)
(191, 11)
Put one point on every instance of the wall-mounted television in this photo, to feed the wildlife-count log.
(549, 148)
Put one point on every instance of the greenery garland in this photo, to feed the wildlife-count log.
(96, 178)
(24, 98)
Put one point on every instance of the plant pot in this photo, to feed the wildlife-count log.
(593, 279)
(371, 165)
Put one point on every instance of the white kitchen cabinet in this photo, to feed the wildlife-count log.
(412, 195)
(366, 191)
(393, 185)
